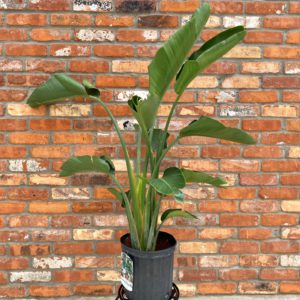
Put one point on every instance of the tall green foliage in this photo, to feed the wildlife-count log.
(147, 187)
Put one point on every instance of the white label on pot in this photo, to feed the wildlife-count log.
(127, 272)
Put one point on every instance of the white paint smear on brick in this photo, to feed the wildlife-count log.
(30, 276)
(52, 262)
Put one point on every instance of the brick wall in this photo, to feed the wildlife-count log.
(58, 236)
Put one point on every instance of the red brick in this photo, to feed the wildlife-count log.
(239, 247)
(13, 263)
(278, 193)
(88, 66)
(108, 248)
(290, 179)
(266, 37)
(281, 52)
(216, 288)
(71, 20)
(93, 290)
(12, 96)
(54, 124)
(259, 206)
(258, 288)
(262, 152)
(258, 260)
(73, 248)
(29, 250)
(279, 220)
(255, 233)
(268, 8)
(294, 8)
(48, 207)
(114, 50)
(280, 165)
(178, 6)
(28, 221)
(293, 37)
(280, 247)
(46, 35)
(111, 21)
(10, 292)
(261, 125)
(28, 138)
(158, 21)
(26, 19)
(291, 96)
(258, 179)
(12, 152)
(239, 165)
(238, 220)
(136, 35)
(238, 274)
(277, 274)
(115, 81)
(281, 82)
(198, 275)
(237, 193)
(290, 287)
(49, 5)
(218, 206)
(220, 152)
(282, 22)
(224, 7)
(49, 291)
(26, 50)
(27, 194)
(12, 35)
(73, 276)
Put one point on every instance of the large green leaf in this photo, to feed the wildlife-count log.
(170, 183)
(195, 176)
(171, 213)
(166, 64)
(205, 126)
(169, 59)
(86, 163)
(210, 51)
(157, 138)
(58, 88)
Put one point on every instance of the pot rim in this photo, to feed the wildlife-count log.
(143, 253)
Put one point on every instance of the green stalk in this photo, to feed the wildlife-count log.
(153, 225)
(128, 165)
(164, 138)
(132, 227)
(139, 150)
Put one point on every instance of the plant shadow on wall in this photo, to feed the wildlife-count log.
(147, 187)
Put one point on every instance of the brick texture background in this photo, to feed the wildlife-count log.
(59, 236)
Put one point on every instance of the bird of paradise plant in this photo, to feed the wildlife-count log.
(147, 187)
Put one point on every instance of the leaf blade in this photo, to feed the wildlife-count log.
(209, 127)
(171, 213)
(58, 88)
(86, 163)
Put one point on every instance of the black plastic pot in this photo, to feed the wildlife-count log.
(148, 274)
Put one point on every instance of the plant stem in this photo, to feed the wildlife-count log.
(128, 165)
(139, 150)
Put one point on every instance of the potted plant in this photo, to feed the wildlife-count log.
(147, 257)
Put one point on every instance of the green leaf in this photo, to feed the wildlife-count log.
(157, 138)
(170, 183)
(171, 213)
(86, 163)
(166, 64)
(195, 176)
(58, 88)
(206, 126)
(119, 195)
(171, 56)
(210, 51)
